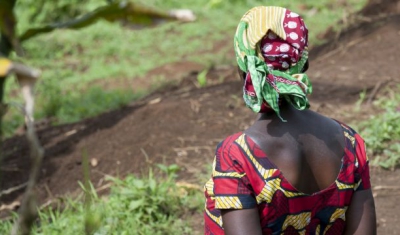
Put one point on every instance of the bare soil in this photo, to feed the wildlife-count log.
(182, 123)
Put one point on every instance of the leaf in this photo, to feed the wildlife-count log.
(173, 168)
(162, 167)
(138, 184)
(384, 164)
(116, 11)
(133, 205)
(152, 184)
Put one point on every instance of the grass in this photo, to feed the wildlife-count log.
(74, 63)
(150, 205)
(73, 106)
(381, 131)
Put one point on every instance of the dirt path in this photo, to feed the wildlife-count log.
(182, 124)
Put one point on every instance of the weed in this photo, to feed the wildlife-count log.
(363, 96)
(381, 132)
(202, 78)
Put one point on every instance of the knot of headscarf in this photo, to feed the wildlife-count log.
(271, 47)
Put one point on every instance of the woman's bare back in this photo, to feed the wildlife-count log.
(307, 149)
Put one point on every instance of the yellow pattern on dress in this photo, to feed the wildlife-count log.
(340, 213)
(263, 172)
(318, 229)
(218, 219)
(216, 173)
(271, 185)
(351, 138)
(299, 222)
(357, 184)
(289, 194)
(228, 202)
(343, 186)
(209, 188)
(228, 174)
(327, 228)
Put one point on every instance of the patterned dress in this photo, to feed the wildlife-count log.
(243, 177)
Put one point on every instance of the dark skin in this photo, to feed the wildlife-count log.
(298, 148)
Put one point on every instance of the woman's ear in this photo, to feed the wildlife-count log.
(305, 68)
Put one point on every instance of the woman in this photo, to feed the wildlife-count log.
(293, 171)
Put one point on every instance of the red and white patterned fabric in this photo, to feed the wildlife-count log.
(280, 54)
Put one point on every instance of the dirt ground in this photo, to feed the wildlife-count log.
(183, 123)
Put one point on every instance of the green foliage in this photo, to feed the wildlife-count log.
(6, 226)
(150, 205)
(39, 12)
(381, 132)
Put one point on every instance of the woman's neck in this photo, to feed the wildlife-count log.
(287, 111)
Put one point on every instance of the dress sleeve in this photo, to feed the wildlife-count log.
(362, 177)
(231, 186)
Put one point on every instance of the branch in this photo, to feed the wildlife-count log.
(116, 11)
(28, 211)
(13, 189)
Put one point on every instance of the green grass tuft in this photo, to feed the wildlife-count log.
(146, 206)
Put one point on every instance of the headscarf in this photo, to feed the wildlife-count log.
(271, 47)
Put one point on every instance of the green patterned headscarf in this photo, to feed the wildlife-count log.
(271, 48)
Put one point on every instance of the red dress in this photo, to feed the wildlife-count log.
(243, 178)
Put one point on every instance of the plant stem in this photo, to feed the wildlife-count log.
(28, 210)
